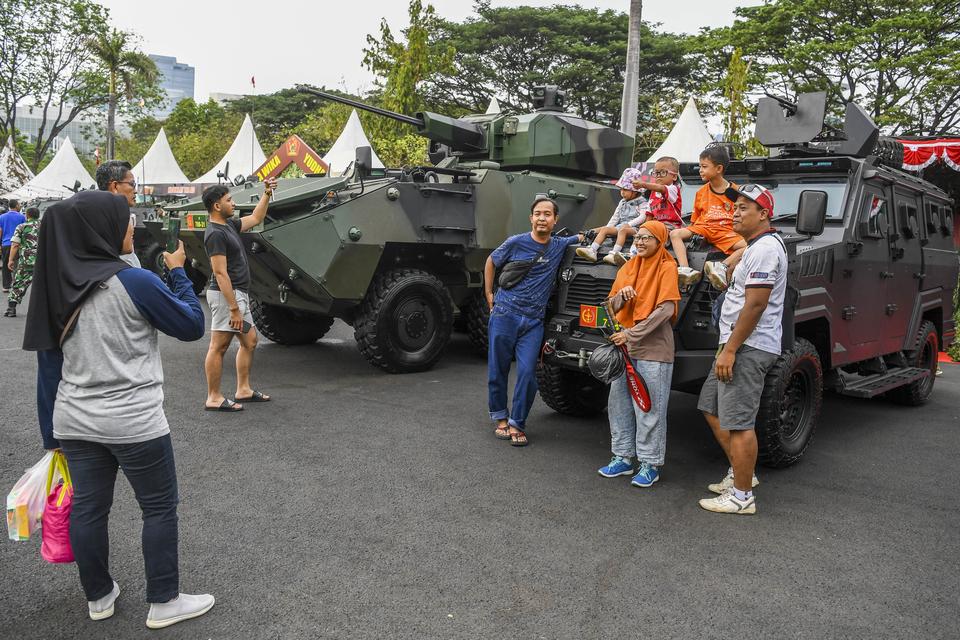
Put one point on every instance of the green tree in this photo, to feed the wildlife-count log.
(505, 51)
(127, 70)
(276, 115)
(402, 65)
(44, 59)
(899, 59)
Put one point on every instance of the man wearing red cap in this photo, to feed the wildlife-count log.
(750, 336)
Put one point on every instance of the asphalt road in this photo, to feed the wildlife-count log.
(365, 505)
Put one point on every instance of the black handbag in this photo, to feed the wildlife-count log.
(513, 273)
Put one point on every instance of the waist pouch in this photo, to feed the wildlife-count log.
(513, 273)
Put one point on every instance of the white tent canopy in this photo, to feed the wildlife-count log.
(493, 107)
(158, 166)
(344, 150)
(14, 172)
(687, 139)
(57, 178)
(245, 155)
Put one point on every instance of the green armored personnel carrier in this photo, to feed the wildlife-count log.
(397, 252)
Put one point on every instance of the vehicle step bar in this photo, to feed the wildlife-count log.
(872, 386)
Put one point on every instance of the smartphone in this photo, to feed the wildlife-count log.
(173, 234)
(245, 327)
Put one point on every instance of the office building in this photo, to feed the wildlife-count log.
(177, 81)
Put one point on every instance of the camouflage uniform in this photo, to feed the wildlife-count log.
(26, 236)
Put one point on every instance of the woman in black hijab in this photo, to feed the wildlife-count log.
(93, 321)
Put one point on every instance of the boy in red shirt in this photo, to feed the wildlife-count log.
(665, 202)
(712, 218)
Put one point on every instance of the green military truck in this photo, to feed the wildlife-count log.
(871, 254)
(397, 252)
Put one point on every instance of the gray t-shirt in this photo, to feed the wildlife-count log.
(764, 264)
(112, 385)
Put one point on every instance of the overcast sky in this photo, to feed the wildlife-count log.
(290, 41)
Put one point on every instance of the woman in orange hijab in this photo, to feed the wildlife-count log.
(644, 297)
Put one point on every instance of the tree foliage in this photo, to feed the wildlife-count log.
(899, 59)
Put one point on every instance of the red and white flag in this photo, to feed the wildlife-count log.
(96, 155)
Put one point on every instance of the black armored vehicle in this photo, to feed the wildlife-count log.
(871, 254)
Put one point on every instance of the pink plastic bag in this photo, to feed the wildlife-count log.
(55, 533)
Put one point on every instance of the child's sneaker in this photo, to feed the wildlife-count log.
(727, 483)
(615, 258)
(616, 467)
(587, 253)
(646, 476)
(726, 502)
(686, 276)
(717, 274)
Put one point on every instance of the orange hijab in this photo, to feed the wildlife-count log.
(653, 278)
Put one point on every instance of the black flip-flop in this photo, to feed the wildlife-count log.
(516, 441)
(256, 397)
(227, 405)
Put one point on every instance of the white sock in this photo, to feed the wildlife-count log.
(595, 246)
(617, 248)
(742, 495)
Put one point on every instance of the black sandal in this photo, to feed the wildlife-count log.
(227, 405)
(256, 397)
(519, 439)
(502, 433)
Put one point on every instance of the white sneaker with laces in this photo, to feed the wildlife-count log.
(687, 276)
(103, 608)
(183, 607)
(727, 502)
(587, 253)
(716, 273)
(727, 483)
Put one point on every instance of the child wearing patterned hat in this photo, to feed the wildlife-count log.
(630, 213)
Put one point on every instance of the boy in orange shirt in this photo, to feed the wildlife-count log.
(712, 218)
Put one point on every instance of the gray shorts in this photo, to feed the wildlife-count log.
(220, 310)
(736, 403)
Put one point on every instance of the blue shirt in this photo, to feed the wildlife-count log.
(531, 295)
(9, 221)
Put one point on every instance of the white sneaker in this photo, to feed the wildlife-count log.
(727, 502)
(183, 607)
(616, 258)
(687, 276)
(716, 273)
(587, 253)
(727, 483)
(103, 608)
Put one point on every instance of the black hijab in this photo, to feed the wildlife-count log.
(78, 248)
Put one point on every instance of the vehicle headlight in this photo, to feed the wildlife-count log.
(566, 275)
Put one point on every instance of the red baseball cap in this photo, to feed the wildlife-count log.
(759, 194)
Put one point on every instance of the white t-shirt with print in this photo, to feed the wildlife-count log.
(764, 264)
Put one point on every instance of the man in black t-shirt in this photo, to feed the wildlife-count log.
(227, 295)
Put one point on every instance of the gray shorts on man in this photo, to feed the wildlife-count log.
(737, 402)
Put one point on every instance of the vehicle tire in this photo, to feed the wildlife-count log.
(153, 260)
(196, 277)
(404, 322)
(477, 313)
(571, 393)
(790, 405)
(923, 355)
(890, 152)
(288, 327)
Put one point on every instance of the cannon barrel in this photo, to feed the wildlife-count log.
(458, 134)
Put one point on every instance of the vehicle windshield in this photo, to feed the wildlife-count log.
(785, 194)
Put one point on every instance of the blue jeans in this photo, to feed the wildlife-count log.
(634, 433)
(150, 469)
(512, 335)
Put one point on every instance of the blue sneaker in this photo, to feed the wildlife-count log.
(646, 475)
(616, 467)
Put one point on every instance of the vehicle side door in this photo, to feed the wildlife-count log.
(905, 269)
(859, 279)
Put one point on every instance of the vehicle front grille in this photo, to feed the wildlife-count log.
(585, 289)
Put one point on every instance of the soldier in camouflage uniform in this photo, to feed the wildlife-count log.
(23, 246)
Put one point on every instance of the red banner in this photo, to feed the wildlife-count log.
(919, 154)
(293, 151)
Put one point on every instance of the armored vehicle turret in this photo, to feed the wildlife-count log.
(398, 252)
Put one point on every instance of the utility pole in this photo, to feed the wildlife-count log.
(631, 79)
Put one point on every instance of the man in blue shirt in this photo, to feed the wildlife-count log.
(9, 221)
(515, 329)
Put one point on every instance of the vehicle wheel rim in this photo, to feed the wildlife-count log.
(928, 361)
(794, 412)
(415, 323)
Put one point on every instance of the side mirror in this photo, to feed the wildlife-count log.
(364, 161)
(811, 212)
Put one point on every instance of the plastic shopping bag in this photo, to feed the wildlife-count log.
(55, 534)
(26, 500)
